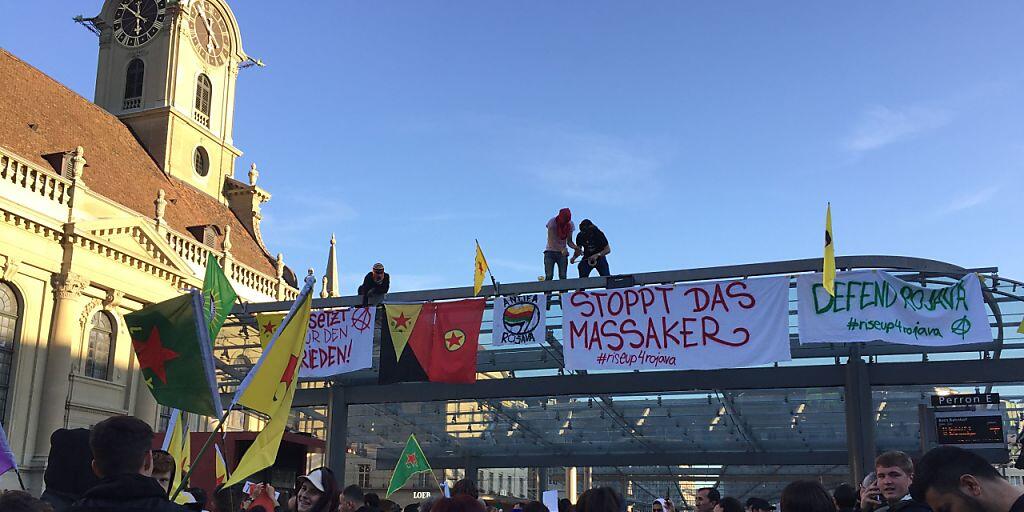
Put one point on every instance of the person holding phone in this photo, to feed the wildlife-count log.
(890, 489)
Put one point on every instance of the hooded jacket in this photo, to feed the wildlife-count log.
(68, 468)
(126, 493)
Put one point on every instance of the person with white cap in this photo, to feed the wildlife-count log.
(375, 284)
(317, 492)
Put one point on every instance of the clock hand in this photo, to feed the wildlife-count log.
(136, 13)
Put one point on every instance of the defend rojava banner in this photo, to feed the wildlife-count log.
(874, 305)
(338, 340)
(722, 324)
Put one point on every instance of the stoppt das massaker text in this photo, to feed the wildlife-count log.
(613, 326)
(861, 295)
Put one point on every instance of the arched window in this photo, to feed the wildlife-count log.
(101, 341)
(8, 331)
(204, 94)
(133, 84)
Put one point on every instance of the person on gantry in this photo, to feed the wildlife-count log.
(375, 285)
(594, 245)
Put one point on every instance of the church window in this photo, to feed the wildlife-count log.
(101, 341)
(133, 84)
(8, 332)
(204, 95)
(201, 161)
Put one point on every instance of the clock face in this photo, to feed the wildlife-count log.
(209, 32)
(137, 21)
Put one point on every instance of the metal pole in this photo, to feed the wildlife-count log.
(542, 483)
(337, 435)
(860, 417)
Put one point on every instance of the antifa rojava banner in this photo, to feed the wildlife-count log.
(519, 319)
(338, 340)
(723, 324)
(874, 305)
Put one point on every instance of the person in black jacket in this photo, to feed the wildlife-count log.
(123, 461)
(68, 468)
(594, 246)
(375, 284)
(958, 480)
(895, 472)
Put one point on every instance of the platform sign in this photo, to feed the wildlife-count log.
(962, 400)
(970, 429)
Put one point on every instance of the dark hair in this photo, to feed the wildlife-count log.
(328, 502)
(845, 496)
(600, 499)
(354, 493)
(465, 486)
(564, 505)
(942, 467)
(120, 445)
(372, 500)
(806, 496)
(412, 507)
(535, 506)
(460, 503)
(257, 508)
(21, 501)
(895, 459)
(224, 499)
(713, 494)
(730, 504)
(200, 495)
(69, 466)
(585, 223)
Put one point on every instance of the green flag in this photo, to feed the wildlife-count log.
(411, 461)
(218, 296)
(172, 345)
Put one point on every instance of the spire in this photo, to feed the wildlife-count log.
(330, 287)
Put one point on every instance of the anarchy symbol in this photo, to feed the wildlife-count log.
(961, 327)
(361, 319)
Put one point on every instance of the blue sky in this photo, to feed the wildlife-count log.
(693, 133)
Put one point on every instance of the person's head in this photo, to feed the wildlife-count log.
(586, 225)
(389, 506)
(372, 500)
(728, 505)
(460, 503)
(951, 479)
(163, 469)
(600, 499)
(428, 504)
(120, 445)
(412, 507)
(467, 487)
(845, 496)
(706, 498)
(806, 496)
(378, 270)
(69, 466)
(317, 492)
(564, 505)
(759, 505)
(351, 499)
(200, 496)
(21, 501)
(895, 473)
(659, 505)
(535, 506)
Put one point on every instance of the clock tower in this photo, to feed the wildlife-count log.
(167, 69)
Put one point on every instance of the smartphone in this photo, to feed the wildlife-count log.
(870, 480)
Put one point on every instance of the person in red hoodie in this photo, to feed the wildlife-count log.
(560, 228)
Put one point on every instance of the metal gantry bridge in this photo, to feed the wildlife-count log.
(824, 415)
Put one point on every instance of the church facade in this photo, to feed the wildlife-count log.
(112, 204)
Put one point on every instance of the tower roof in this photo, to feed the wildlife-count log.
(331, 275)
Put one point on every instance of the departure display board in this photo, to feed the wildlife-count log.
(969, 429)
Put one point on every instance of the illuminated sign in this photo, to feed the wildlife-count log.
(972, 399)
(969, 429)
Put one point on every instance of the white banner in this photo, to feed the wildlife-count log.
(874, 305)
(338, 340)
(519, 320)
(724, 324)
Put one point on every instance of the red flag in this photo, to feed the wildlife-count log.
(449, 354)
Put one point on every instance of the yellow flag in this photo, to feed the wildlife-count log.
(401, 320)
(1020, 329)
(277, 369)
(184, 463)
(828, 275)
(267, 324)
(479, 269)
(221, 467)
(270, 389)
(174, 444)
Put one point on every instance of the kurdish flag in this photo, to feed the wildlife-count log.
(172, 342)
(434, 342)
(270, 386)
(218, 296)
(220, 467)
(411, 461)
(479, 269)
(828, 270)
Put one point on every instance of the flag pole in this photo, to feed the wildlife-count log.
(192, 467)
(20, 482)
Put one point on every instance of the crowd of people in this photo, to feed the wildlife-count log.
(112, 468)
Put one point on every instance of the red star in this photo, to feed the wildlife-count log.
(289, 371)
(400, 320)
(153, 355)
(480, 267)
(410, 460)
(269, 328)
(453, 340)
